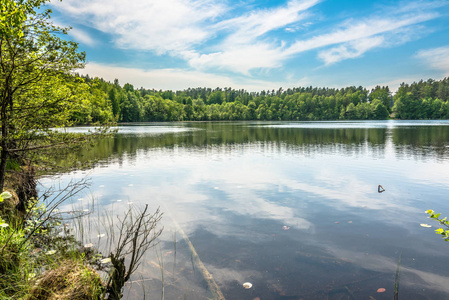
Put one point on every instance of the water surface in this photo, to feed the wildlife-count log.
(234, 188)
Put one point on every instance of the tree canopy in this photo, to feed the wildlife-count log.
(422, 100)
(37, 90)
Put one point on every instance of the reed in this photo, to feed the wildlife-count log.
(397, 278)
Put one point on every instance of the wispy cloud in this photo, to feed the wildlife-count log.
(356, 37)
(436, 58)
(241, 59)
(350, 50)
(210, 34)
(246, 47)
(246, 28)
(159, 25)
(179, 79)
(82, 36)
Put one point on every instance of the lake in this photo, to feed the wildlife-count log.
(291, 207)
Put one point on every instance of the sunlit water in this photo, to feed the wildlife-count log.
(291, 207)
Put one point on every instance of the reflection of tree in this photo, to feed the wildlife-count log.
(421, 141)
(415, 141)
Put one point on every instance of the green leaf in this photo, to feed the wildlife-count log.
(439, 230)
(5, 195)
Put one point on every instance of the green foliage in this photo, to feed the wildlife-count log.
(15, 266)
(34, 248)
(128, 104)
(4, 196)
(12, 18)
(37, 90)
(423, 100)
(443, 232)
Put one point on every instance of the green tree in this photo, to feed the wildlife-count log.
(382, 94)
(379, 111)
(252, 115)
(350, 112)
(35, 91)
(130, 109)
(216, 97)
(114, 101)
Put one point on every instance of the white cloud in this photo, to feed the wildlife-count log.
(436, 58)
(245, 29)
(240, 59)
(395, 83)
(178, 79)
(350, 50)
(358, 32)
(178, 26)
(240, 51)
(159, 25)
(82, 36)
(204, 34)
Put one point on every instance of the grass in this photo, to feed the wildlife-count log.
(41, 257)
(59, 270)
(38, 260)
(15, 269)
(70, 280)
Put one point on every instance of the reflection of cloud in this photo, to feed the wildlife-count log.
(434, 174)
(272, 185)
(245, 179)
(244, 182)
(227, 275)
(193, 209)
(387, 265)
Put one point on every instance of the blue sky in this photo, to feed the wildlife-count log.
(259, 45)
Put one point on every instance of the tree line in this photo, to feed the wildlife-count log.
(111, 102)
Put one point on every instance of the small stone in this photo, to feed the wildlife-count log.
(247, 285)
(105, 260)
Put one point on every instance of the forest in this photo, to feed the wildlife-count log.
(106, 102)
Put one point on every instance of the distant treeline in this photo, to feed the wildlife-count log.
(108, 101)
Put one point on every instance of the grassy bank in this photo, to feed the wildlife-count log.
(40, 257)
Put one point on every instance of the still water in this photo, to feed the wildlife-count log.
(291, 207)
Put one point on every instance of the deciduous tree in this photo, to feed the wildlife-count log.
(36, 91)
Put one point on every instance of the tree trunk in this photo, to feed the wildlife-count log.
(4, 150)
(114, 289)
(3, 159)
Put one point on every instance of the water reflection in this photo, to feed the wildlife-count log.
(407, 141)
(232, 187)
